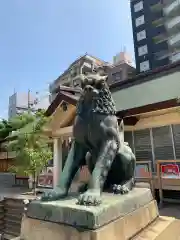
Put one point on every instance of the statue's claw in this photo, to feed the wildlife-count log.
(120, 189)
(124, 188)
(83, 188)
(54, 195)
(90, 198)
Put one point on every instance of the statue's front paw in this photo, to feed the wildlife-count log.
(83, 188)
(90, 198)
(120, 189)
(54, 195)
(124, 190)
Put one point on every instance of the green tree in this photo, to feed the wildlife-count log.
(15, 123)
(32, 148)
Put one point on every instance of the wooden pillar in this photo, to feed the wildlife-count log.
(57, 160)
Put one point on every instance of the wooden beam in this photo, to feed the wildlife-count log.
(148, 108)
(129, 121)
(63, 132)
(156, 121)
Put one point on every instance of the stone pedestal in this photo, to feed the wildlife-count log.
(119, 217)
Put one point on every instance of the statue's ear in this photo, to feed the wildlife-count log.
(121, 131)
(121, 126)
(101, 81)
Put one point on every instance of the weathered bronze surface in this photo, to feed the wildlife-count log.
(99, 141)
(90, 217)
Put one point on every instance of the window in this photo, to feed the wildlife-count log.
(77, 83)
(140, 21)
(88, 65)
(141, 35)
(66, 84)
(138, 6)
(144, 66)
(142, 50)
(86, 70)
(74, 72)
(117, 76)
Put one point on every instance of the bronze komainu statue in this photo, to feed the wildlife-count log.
(100, 141)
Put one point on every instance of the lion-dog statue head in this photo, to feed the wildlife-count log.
(96, 95)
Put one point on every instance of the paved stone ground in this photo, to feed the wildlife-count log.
(170, 210)
(16, 191)
(7, 191)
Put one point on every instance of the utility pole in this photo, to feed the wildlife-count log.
(29, 104)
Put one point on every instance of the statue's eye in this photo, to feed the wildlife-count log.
(99, 85)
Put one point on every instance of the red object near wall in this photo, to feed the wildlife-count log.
(170, 170)
(45, 179)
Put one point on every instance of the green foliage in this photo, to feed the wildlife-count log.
(5, 129)
(31, 147)
(15, 123)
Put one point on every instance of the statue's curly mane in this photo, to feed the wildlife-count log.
(103, 103)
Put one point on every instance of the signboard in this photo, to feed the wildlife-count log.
(170, 171)
(45, 179)
(142, 170)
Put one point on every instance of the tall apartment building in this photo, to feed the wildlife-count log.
(71, 76)
(120, 70)
(156, 32)
(22, 102)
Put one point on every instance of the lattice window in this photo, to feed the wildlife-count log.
(163, 147)
(142, 142)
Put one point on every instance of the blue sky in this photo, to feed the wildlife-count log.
(40, 38)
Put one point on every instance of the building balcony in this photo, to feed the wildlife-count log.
(174, 41)
(173, 26)
(160, 38)
(53, 86)
(175, 57)
(173, 23)
(172, 9)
